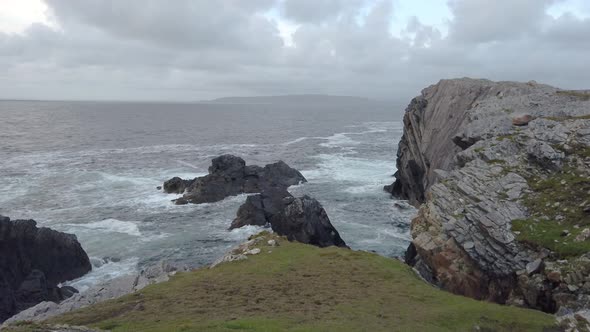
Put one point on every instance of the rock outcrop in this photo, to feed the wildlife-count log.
(101, 292)
(499, 170)
(33, 262)
(301, 219)
(229, 176)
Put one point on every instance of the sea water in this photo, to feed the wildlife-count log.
(92, 168)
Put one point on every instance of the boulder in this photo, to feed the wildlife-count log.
(33, 262)
(301, 219)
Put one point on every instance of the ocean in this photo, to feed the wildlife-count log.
(92, 168)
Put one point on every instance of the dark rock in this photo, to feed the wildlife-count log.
(301, 219)
(388, 188)
(229, 176)
(180, 201)
(67, 292)
(304, 220)
(411, 255)
(159, 188)
(33, 261)
(176, 185)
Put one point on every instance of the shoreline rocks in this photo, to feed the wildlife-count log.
(469, 162)
(229, 176)
(101, 292)
(33, 263)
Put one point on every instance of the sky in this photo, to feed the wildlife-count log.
(187, 50)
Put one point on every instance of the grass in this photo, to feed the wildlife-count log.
(510, 137)
(298, 287)
(561, 195)
(577, 94)
(496, 161)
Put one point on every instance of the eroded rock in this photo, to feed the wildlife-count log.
(229, 176)
(301, 219)
(468, 165)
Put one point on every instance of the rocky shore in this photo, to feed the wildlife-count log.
(500, 172)
(300, 219)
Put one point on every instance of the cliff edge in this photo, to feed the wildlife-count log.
(501, 174)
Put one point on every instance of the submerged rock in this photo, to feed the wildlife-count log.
(301, 219)
(229, 176)
(33, 262)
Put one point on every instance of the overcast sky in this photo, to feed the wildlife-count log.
(200, 49)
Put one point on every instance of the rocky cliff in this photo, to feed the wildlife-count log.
(501, 173)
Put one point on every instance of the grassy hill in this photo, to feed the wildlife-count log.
(297, 287)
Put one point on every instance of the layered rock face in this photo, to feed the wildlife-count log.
(480, 159)
(229, 176)
(301, 219)
(33, 261)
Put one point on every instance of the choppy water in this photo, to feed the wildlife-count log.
(92, 169)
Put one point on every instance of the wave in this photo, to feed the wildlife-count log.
(342, 167)
(110, 226)
(105, 272)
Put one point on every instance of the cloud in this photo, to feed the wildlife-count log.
(480, 21)
(197, 49)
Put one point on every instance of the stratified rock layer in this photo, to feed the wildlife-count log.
(33, 261)
(467, 156)
(229, 176)
(301, 219)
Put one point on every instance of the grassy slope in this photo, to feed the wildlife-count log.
(303, 288)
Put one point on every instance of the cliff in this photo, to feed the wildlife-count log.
(500, 171)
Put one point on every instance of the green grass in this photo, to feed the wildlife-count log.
(299, 287)
(510, 137)
(573, 93)
(547, 233)
(496, 161)
(561, 194)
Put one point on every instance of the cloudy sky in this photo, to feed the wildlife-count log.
(200, 49)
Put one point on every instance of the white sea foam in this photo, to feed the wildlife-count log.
(341, 167)
(339, 140)
(104, 273)
(109, 226)
(238, 234)
(300, 139)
